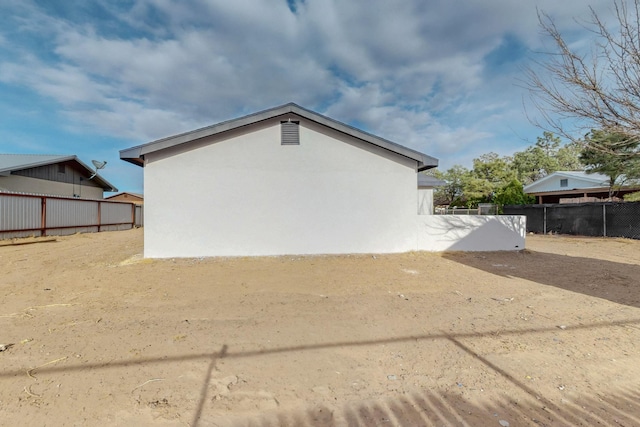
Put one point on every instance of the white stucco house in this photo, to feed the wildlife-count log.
(281, 181)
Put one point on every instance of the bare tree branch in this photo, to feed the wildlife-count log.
(601, 90)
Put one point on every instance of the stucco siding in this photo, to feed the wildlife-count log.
(471, 233)
(244, 193)
(23, 184)
(425, 201)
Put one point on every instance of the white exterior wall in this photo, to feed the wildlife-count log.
(425, 201)
(25, 184)
(249, 195)
(471, 233)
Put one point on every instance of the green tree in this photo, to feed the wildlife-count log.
(455, 179)
(632, 197)
(490, 173)
(513, 194)
(546, 156)
(617, 161)
(569, 157)
(477, 190)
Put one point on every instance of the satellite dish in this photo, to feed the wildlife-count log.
(99, 165)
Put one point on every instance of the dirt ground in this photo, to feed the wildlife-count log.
(549, 336)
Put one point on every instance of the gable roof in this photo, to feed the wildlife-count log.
(16, 162)
(136, 154)
(11, 162)
(579, 180)
(137, 195)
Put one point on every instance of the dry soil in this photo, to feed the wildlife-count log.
(548, 336)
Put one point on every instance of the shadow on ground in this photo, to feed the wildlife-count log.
(421, 408)
(616, 282)
(428, 408)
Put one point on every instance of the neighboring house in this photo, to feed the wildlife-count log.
(51, 175)
(125, 196)
(426, 184)
(572, 186)
(290, 181)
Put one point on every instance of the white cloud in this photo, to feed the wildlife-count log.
(67, 84)
(412, 71)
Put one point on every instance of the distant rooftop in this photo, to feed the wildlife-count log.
(16, 162)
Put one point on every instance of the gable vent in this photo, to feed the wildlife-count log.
(290, 133)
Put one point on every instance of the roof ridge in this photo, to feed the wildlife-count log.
(136, 154)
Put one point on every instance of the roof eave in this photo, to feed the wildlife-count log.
(38, 164)
(132, 155)
(135, 155)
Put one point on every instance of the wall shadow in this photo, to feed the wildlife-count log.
(473, 232)
(613, 281)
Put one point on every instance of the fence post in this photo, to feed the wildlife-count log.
(43, 218)
(604, 220)
(544, 220)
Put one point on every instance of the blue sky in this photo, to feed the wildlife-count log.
(440, 76)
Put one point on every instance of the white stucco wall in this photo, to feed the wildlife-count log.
(471, 233)
(24, 184)
(249, 195)
(425, 201)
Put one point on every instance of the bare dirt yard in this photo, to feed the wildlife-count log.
(549, 336)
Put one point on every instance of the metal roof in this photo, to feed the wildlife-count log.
(16, 162)
(429, 181)
(136, 154)
(11, 162)
(595, 180)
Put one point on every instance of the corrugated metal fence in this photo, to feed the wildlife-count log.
(139, 216)
(24, 215)
(609, 219)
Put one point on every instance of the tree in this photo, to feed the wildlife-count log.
(617, 161)
(632, 197)
(490, 172)
(538, 160)
(455, 179)
(513, 194)
(569, 157)
(546, 156)
(597, 90)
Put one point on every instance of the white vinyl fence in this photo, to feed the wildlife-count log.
(25, 215)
